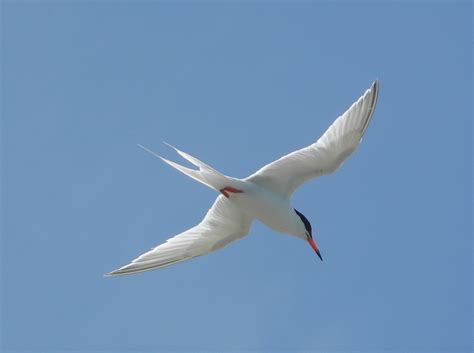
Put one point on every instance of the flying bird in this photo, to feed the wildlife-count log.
(264, 195)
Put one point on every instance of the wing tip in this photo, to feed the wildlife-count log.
(110, 274)
(117, 272)
(120, 272)
(132, 268)
(124, 270)
(374, 90)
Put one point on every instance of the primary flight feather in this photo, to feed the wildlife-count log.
(264, 195)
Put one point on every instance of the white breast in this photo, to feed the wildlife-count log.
(271, 209)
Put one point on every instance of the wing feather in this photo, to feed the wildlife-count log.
(223, 223)
(326, 155)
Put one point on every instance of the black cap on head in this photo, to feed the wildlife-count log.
(306, 223)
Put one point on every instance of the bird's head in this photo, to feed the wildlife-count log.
(308, 233)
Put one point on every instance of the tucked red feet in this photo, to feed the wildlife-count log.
(228, 189)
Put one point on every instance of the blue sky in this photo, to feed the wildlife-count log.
(237, 85)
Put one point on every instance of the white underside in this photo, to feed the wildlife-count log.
(271, 209)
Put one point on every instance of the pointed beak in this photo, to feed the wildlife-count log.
(315, 247)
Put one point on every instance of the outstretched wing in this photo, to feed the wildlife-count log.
(223, 224)
(326, 155)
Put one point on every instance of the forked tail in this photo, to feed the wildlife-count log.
(204, 174)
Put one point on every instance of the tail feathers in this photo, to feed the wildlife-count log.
(192, 159)
(205, 174)
(195, 174)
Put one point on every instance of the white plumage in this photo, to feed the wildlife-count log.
(223, 223)
(264, 195)
(324, 156)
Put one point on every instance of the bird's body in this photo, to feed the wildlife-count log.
(273, 210)
(264, 195)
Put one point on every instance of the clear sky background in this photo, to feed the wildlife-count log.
(238, 85)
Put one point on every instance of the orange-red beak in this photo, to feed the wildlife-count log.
(315, 247)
